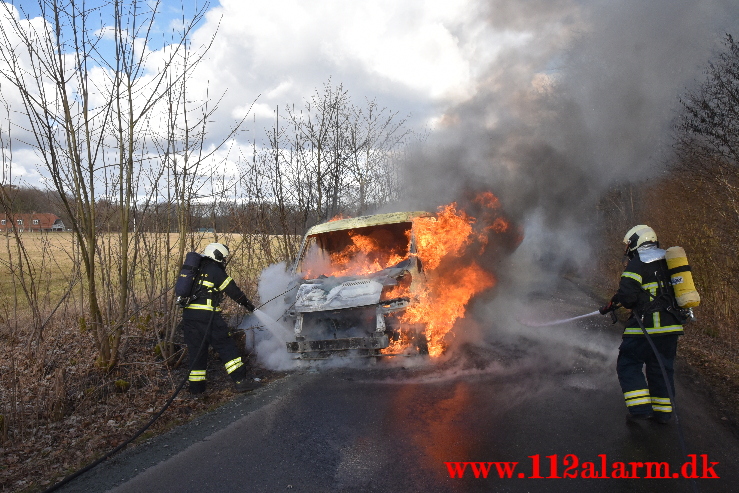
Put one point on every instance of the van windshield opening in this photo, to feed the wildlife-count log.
(357, 251)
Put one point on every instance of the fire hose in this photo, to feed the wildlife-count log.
(144, 428)
(120, 447)
(670, 393)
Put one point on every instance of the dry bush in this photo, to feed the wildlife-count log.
(618, 211)
(690, 213)
(686, 210)
(62, 412)
(683, 212)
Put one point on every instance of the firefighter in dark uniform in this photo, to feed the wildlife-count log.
(645, 289)
(210, 284)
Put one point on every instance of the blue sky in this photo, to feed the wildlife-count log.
(169, 15)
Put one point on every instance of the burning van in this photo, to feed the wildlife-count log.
(391, 284)
(358, 275)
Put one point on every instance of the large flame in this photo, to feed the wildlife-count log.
(453, 277)
(447, 246)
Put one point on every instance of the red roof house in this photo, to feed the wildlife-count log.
(43, 221)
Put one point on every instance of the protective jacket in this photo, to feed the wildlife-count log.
(210, 284)
(645, 289)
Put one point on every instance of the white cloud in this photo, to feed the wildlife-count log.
(281, 89)
(107, 32)
(259, 110)
(24, 164)
(178, 24)
(410, 43)
(415, 56)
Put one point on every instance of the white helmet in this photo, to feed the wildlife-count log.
(637, 236)
(216, 251)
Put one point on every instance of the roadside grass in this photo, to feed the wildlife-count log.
(98, 415)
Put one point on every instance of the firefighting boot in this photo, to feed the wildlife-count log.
(633, 417)
(662, 418)
(196, 388)
(246, 385)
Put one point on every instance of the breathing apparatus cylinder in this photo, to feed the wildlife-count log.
(681, 278)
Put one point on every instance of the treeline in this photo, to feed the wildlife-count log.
(26, 199)
(223, 217)
(135, 171)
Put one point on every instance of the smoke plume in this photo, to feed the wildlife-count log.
(584, 102)
(266, 331)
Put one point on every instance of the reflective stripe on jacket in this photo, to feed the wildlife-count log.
(638, 290)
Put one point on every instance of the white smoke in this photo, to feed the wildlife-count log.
(267, 331)
(584, 104)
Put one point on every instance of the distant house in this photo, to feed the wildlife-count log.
(43, 221)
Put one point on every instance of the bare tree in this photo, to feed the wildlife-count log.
(709, 124)
(708, 130)
(708, 148)
(338, 158)
(375, 136)
(87, 111)
(321, 126)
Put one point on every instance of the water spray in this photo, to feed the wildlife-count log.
(272, 325)
(558, 322)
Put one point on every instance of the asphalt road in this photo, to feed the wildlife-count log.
(511, 394)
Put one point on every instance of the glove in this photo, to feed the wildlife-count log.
(249, 306)
(607, 308)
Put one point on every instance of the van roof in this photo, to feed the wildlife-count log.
(365, 221)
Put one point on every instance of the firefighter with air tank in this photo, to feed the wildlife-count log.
(202, 322)
(657, 286)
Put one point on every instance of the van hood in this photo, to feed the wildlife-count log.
(339, 293)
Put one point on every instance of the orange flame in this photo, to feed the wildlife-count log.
(487, 199)
(338, 217)
(500, 225)
(364, 255)
(452, 278)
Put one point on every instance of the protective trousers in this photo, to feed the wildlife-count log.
(650, 395)
(195, 329)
